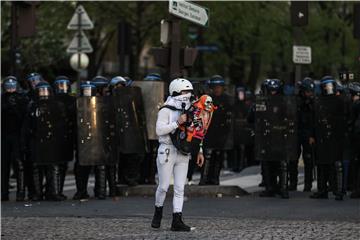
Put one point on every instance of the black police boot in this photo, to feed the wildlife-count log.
(322, 192)
(156, 221)
(111, 178)
(293, 176)
(178, 225)
(53, 184)
(339, 193)
(308, 175)
(100, 182)
(20, 182)
(284, 193)
(38, 184)
(267, 178)
(81, 178)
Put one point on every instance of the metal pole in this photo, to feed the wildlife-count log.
(175, 49)
(13, 67)
(79, 53)
(297, 33)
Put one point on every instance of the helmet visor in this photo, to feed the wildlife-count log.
(10, 86)
(329, 88)
(44, 92)
(87, 91)
(62, 87)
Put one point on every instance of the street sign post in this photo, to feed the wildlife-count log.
(80, 19)
(301, 55)
(82, 46)
(189, 11)
(79, 44)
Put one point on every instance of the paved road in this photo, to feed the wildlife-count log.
(248, 217)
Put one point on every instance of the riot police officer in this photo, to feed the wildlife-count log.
(218, 133)
(329, 136)
(306, 138)
(43, 126)
(354, 135)
(130, 129)
(94, 141)
(62, 89)
(243, 131)
(13, 106)
(275, 136)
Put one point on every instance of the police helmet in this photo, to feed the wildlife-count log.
(118, 80)
(328, 86)
(129, 81)
(62, 84)
(87, 89)
(34, 79)
(100, 81)
(152, 77)
(274, 86)
(10, 84)
(354, 88)
(216, 80)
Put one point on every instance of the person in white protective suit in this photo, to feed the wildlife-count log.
(169, 159)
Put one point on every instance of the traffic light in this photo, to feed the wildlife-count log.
(299, 13)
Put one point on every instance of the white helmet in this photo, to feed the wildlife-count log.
(180, 84)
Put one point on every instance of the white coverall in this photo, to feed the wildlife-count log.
(169, 160)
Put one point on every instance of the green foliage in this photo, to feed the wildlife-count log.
(255, 38)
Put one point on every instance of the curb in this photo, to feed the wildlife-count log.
(190, 191)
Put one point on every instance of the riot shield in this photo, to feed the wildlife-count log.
(276, 128)
(130, 120)
(329, 128)
(69, 135)
(96, 138)
(153, 99)
(242, 129)
(47, 128)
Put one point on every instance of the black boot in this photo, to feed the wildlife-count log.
(178, 225)
(339, 192)
(53, 183)
(111, 178)
(100, 182)
(215, 180)
(38, 184)
(268, 181)
(156, 221)
(284, 193)
(20, 181)
(293, 175)
(322, 192)
(81, 178)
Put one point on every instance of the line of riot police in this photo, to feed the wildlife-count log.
(43, 129)
(106, 129)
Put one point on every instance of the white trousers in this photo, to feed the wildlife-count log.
(171, 162)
